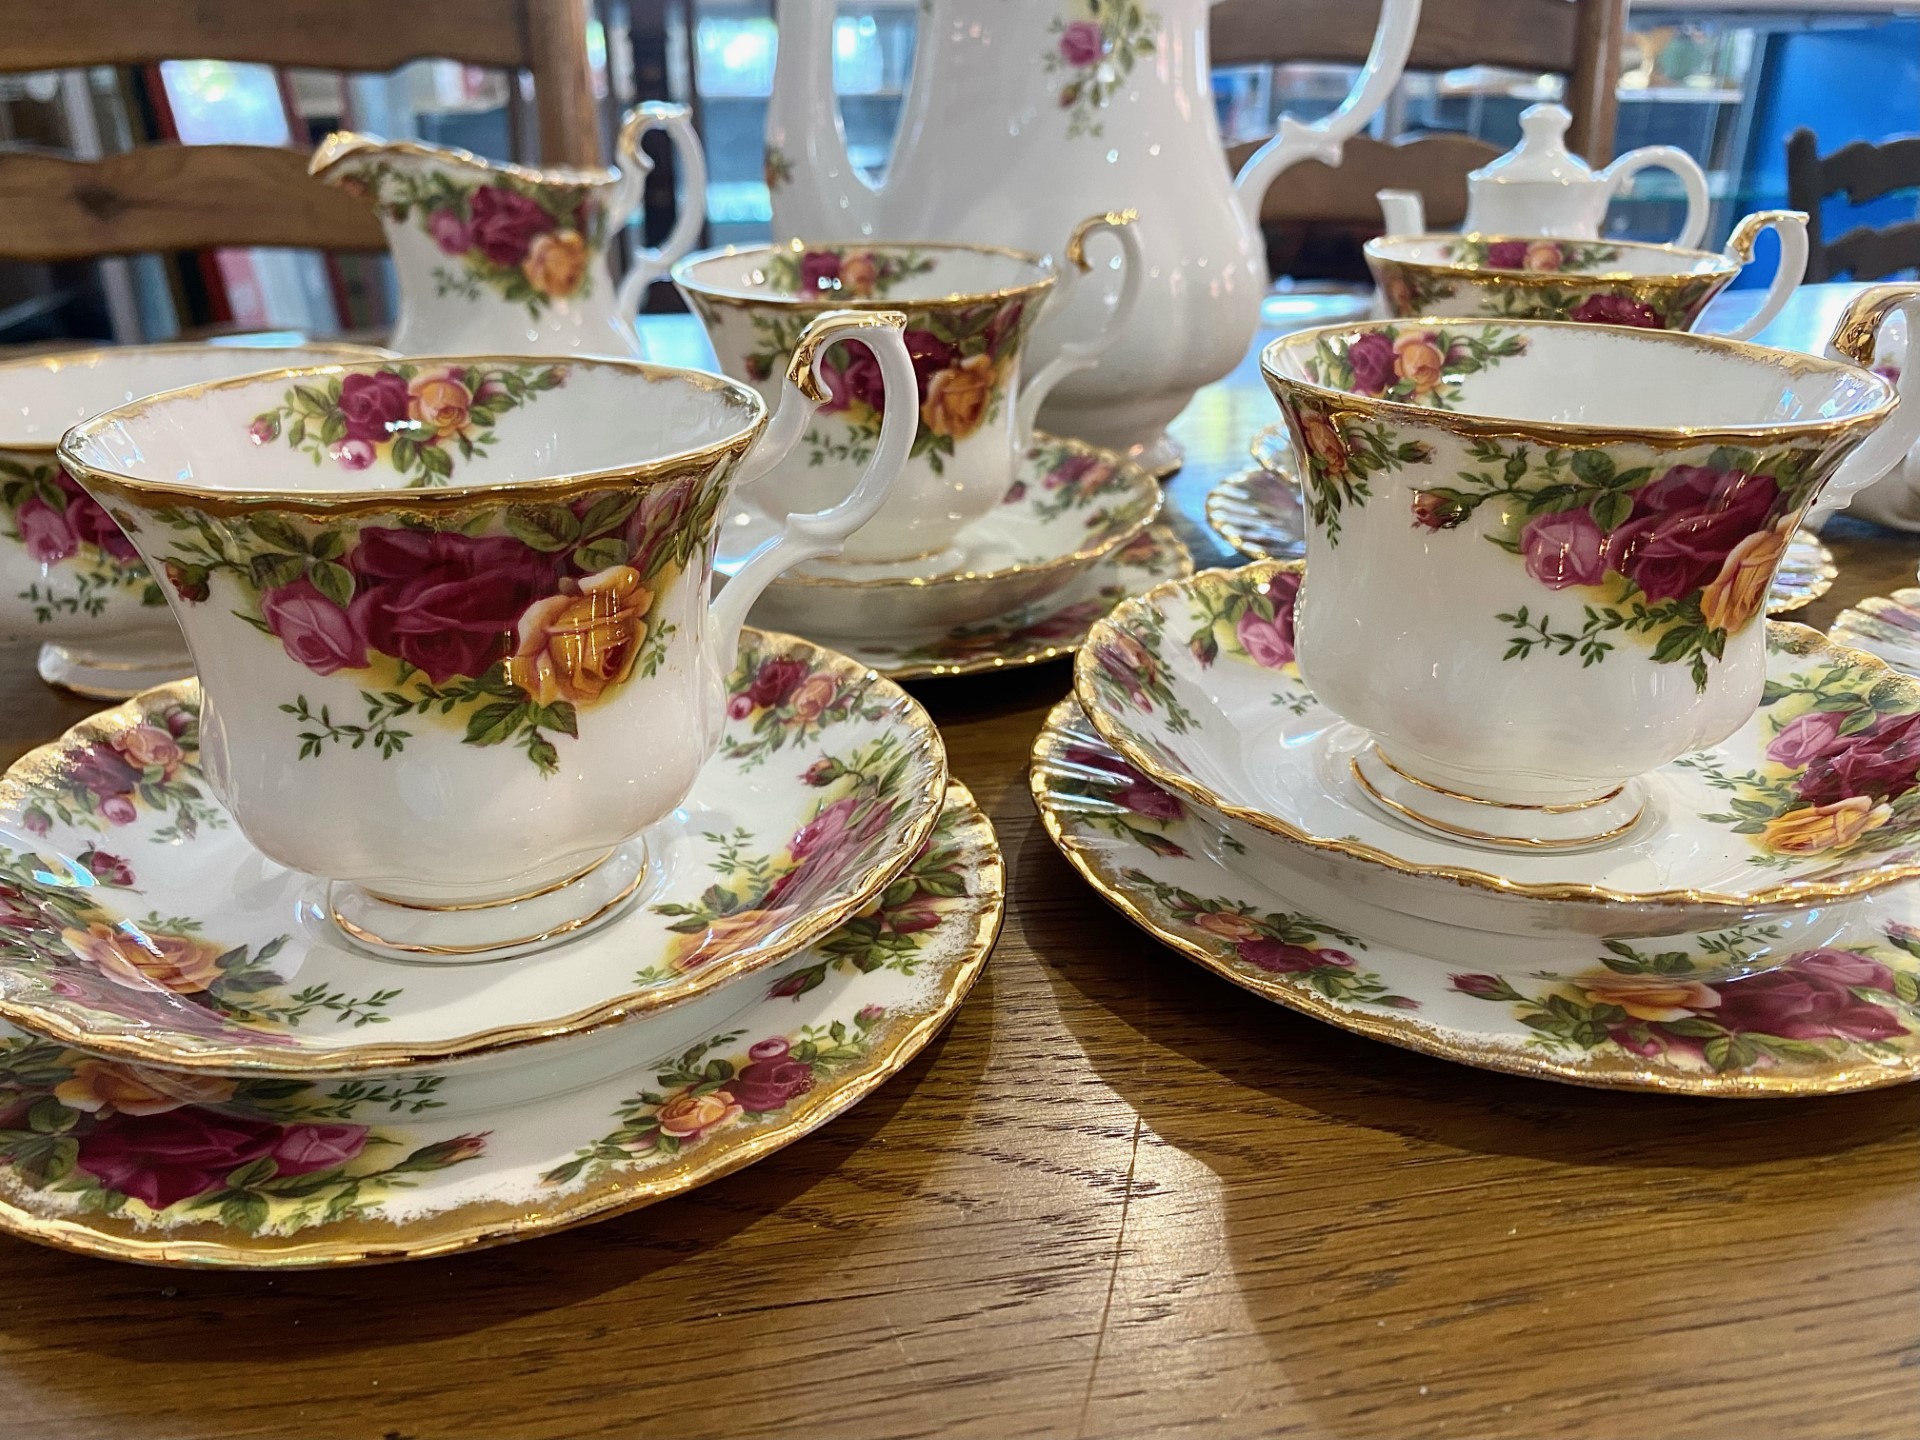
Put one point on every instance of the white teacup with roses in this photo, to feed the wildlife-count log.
(451, 616)
(969, 308)
(1538, 553)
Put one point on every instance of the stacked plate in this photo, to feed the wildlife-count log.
(199, 1069)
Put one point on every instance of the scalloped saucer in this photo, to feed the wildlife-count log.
(1169, 681)
(1070, 506)
(1738, 1011)
(179, 1169)
(1886, 626)
(137, 921)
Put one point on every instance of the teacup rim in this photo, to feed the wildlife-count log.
(1589, 433)
(1719, 264)
(682, 275)
(340, 146)
(350, 351)
(653, 469)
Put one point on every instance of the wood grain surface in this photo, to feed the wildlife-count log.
(1119, 1197)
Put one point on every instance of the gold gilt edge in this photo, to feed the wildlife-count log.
(41, 765)
(487, 1223)
(1440, 1042)
(1177, 554)
(340, 146)
(682, 275)
(1798, 640)
(1231, 493)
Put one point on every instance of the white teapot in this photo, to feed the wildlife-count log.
(1541, 188)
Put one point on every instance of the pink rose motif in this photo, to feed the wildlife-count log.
(1507, 255)
(163, 1159)
(824, 846)
(1372, 359)
(852, 373)
(1004, 326)
(351, 453)
(373, 405)
(265, 430)
(1811, 998)
(776, 680)
(930, 355)
(1481, 987)
(118, 810)
(913, 922)
(1269, 642)
(303, 1149)
(739, 707)
(107, 869)
(452, 234)
(447, 604)
(766, 1085)
(1615, 310)
(1806, 739)
(1433, 510)
(504, 223)
(45, 531)
(1564, 549)
(661, 515)
(1879, 763)
(91, 525)
(1081, 44)
(819, 270)
(316, 632)
(1071, 471)
(869, 1014)
(1685, 524)
(1279, 958)
(769, 1049)
(102, 771)
(37, 821)
(1137, 793)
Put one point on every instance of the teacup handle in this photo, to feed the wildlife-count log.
(1684, 167)
(1855, 337)
(812, 534)
(645, 266)
(1791, 226)
(1078, 355)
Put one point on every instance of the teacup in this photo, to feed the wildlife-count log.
(1597, 282)
(1538, 553)
(68, 577)
(451, 616)
(970, 309)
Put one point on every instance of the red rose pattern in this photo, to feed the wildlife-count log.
(445, 603)
(163, 1159)
(503, 223)
(1616, 310)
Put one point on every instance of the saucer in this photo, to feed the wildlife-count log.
(292, 1173)
(1197, 687)
(1070, 506)
(1842, 1016)
(1886, 626)
(1045, 630)
(137, 921)
(1258, 512)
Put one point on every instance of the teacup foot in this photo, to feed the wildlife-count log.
(472, 933)
(102, 675)
(1449, 811)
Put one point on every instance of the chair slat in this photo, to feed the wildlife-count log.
(1436, 165)
(1867, 254)
(1523, 34)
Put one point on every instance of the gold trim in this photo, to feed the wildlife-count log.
(143, 491)
(1721, 265)
(344, 145)
(485, 1223)
(1087, 555)
(1232, 492)
(1410, 1034)
(1798, 640)
(1164, 539)
(448, 909)
(1516, 841)
(367, 937)
(1568, 434)
(683, 276)
(1428, 785)
(1857, 335)
(41, 766)
(827, 329)
(1077, 242)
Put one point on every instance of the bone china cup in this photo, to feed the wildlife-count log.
(1538, 553)
(970, 309)
(451, 615)
(1599, 282)
(68, 577)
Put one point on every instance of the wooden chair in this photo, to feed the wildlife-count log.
(1861, 172)
(1578, 38)
(193, 197)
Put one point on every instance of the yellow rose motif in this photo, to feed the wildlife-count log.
(102, 1087)
(957, 398)
(724, 936)
(140, 961)
(1737, 593)
(688, 1117)
(1824, 827)
(556, 263)
(859, 274)
(577, 645)
(1323, 441)
(1648, 997)
(150, 745)
(441, 403)
(1543, 255)
(1420, 362)
(1227, 925)
(815, 694)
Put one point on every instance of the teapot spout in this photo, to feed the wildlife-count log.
(1404, 211)
(816, 192)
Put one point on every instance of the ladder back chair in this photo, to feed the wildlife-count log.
(1861, 172)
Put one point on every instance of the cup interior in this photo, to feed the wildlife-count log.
(1538, 255)
(1588, 375)
(831, 275)
(417, 423)
(41, 397)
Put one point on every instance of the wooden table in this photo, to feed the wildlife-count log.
(1118, 1197)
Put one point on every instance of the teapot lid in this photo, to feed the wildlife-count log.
(1542, 153)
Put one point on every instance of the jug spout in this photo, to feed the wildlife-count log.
(816, 191)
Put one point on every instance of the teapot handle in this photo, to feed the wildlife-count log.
(1791, 226)
(645, 266)
(1078, 355)
(1855, 338)
(812, 534)
(1692, 178)
(1325, 139)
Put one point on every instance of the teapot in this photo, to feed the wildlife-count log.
(1541, 188)
(1023, 116)
(494, 257)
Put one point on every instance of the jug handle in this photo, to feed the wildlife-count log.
(813, 534)
(1791, 227)
(1326, 138)
(1078, 355)
(1692, 178)
(645, 266)
(1855, 336)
